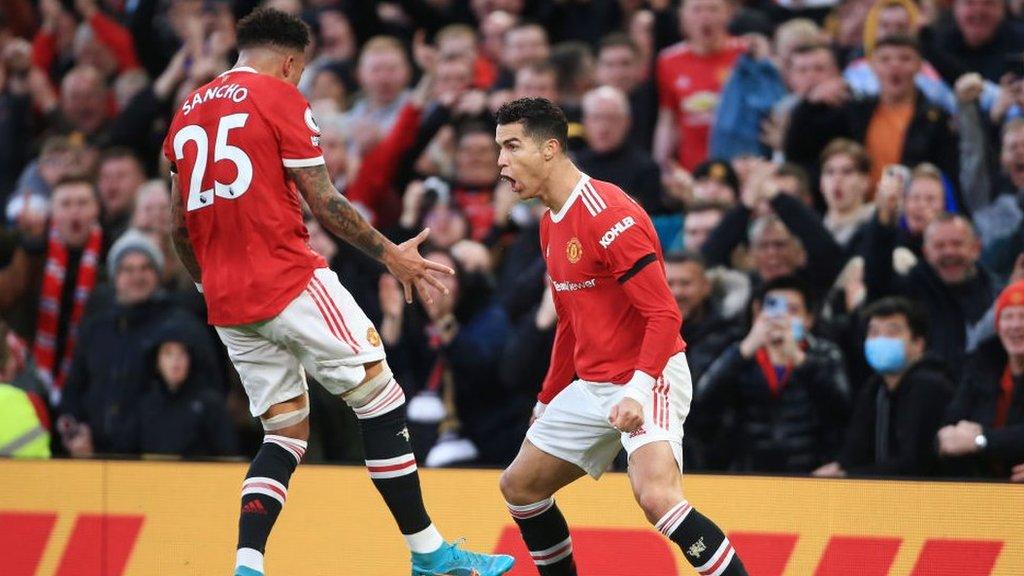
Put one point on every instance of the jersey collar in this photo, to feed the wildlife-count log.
(240, 69)
(557, 216)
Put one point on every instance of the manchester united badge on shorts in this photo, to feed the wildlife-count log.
(372, 337)
(574, 250)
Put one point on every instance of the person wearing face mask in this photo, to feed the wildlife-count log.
(900, 408)
(786, 388)
(985, 429)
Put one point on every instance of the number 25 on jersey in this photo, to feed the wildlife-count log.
(197, 197)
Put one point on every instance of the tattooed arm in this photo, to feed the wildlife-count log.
(182, 245)
(336, 214)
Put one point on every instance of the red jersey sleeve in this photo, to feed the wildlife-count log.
(629, 248)
(297, 132)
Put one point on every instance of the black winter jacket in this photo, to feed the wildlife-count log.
(796, 431)
(902, 443)
(976, 399)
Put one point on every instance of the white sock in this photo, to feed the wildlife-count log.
(425, 541)
(250, 559)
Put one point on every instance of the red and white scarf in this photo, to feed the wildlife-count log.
(45, 349)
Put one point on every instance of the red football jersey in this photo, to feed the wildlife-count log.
(690, 84)
(615, 311)
(230, 142)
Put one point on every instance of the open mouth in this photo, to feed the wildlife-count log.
(511, 181)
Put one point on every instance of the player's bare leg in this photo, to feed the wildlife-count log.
(657, 486)
(266, 484)
(379, 405)
(528, 486)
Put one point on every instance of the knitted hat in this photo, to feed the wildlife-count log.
(1012, 295)
(134, 241)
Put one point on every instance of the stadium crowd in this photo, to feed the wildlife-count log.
(838, 186)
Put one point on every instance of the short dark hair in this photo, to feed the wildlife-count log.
(916, 318)
(270, 27)
(790, 283)
(898, 41)
(616, 40)
(685, 257)
(117, 152)
(542, 119)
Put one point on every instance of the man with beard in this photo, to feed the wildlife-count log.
(954, 288)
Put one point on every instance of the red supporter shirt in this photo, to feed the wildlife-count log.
(690, 84)
(230, 142)
(615, 311)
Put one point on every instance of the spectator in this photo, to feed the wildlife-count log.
(537, 80)
(384, 74)
(152, 217)
(178, 413)
(60, 39)
(981, 37)
(448, 352)
(336, 50)
(620, 65)
(107, 376)
(525, 43)
(788, 388)
(846, 186)
(787, 240)
(120, 176)
(59, 158)
(84, 105)
(994, 199)
(810, 72)
(699, 220)
(896, 18)
(460, 41)
(690, 77)
(953, 286)
(706, 331)
(574, 66)
(47, 305)
(986, 418)
(897, 127)
(924, 202)
(24, 420)
(493, 28)
(610, 156)
(899, 410)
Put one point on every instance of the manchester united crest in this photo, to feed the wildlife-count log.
(372, 337)
(574, 250)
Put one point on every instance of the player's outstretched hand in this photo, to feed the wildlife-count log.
(627, 415)
(413, 270)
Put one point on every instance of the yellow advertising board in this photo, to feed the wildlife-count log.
(70, 518)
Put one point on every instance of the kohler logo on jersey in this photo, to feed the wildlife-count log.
(613, 232)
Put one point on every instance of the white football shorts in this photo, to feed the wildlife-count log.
(322, 330)
(574, 427)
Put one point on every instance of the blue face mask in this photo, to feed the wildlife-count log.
(797, 326)
(886, 355)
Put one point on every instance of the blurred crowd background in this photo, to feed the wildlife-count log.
(837, 186)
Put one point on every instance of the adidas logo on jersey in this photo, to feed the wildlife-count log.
(613, 232)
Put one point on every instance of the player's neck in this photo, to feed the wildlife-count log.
(258, 62)
(559, 185)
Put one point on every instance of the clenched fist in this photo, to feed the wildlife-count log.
(627, 415)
